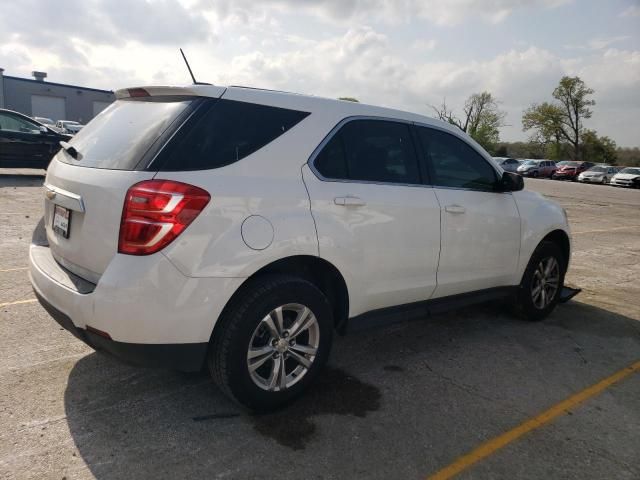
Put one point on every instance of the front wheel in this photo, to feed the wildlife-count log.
(272, 341)
(542, 282)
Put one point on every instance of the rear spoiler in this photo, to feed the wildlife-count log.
(169, 91)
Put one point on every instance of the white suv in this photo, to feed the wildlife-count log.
(238, 228)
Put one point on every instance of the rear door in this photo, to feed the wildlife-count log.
(111, 154)
(375, 219)
(480, 227)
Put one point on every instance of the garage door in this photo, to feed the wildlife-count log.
(50, 107)
(99, 106)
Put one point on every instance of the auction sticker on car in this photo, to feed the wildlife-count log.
(61, 220)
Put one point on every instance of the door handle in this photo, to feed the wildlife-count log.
(349, 201)
(455, 209)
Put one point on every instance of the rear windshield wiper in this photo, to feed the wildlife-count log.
(70, 149)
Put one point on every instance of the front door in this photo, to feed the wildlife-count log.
(480, 227)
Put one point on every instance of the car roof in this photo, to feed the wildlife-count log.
(294, 101)
(26, 117)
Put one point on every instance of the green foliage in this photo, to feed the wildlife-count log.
(349, 99)
(598, 149)
(561, 122)
(629, 157)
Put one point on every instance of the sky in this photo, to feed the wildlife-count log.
(406, 54)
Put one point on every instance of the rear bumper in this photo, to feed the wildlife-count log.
(153, 314)
(564, 176)
(187, 357)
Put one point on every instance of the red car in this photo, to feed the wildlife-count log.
(568, 170)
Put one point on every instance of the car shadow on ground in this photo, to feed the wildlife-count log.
(22, 180)
(383, 408)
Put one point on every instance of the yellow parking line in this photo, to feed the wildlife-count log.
(496, 443)
(31, 300)
(607, 229)
(14, 269)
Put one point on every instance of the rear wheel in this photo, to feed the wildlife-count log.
(272, 341)
(542, 282)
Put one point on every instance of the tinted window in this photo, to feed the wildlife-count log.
(122, 133)
(331, 161)
(227, 132)
(14, 123)
(371, 150)
(454, 163)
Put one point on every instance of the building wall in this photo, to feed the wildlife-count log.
(79, 101)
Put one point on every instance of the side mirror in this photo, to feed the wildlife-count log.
(43, 129)
(510, 182)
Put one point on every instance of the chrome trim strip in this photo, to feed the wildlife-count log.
(64, 198)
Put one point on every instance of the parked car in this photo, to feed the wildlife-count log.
(537, 168)
(627, 177)
(45, 121)
(569, 170)
(68, 126)
(26, 143)
(254, 223)
(507, 164)
(598, 174)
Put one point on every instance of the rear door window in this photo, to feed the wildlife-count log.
(225, 132)
(370, 150)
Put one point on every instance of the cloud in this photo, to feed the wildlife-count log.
(451, 12)
(631, 11)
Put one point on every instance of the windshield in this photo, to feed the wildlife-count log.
(122, 133)
(598, 169)
(531, 162)
(633, 171)
(568, 164)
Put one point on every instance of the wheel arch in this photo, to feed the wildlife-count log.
(316, 270)
(560, 238)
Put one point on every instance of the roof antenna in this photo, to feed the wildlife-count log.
(188, 67)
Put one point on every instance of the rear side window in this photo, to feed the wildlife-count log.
(122, 133)
(370, 150)
(454, 163)
(227, 131)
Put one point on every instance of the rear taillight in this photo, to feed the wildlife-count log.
(155, 212)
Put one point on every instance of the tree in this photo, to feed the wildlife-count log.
(563, 119)
(482, 118)
(349, 99)
(545, 120)
(598, 149)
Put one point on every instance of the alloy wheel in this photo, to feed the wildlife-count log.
(283, 347)
(545, 282)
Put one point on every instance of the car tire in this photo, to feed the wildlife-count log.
(531, 304)
(534, 174)
(245, 334)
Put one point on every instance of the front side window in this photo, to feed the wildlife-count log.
(454, 163)
(227, 132)
(371, 151)
(13, 123)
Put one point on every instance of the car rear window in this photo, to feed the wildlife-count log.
(224, 132)
(119, 137)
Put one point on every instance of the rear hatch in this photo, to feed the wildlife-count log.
(86, 185)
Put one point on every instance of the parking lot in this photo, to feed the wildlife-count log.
(405, 401)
